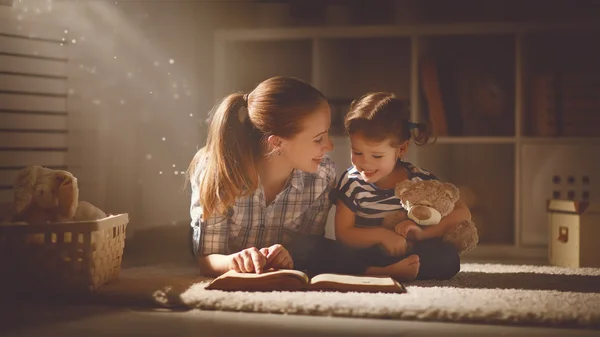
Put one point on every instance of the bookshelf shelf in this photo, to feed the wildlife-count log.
(378, 31)
(560, 140)
(491, 157)
(476, 140)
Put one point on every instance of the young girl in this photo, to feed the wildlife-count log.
(380, 130)
(262, 179)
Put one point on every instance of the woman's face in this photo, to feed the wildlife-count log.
(306, 149)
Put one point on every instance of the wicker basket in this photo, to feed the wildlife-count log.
(68, 257)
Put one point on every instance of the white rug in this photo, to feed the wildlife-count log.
(480, 293)
(497, 294)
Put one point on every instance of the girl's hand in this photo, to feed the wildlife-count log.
(277, 257)
(249, 260)
(394, 244)
(409, 230)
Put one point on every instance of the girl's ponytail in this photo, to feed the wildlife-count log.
(420, 132)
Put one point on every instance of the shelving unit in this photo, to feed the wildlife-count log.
(496, 156)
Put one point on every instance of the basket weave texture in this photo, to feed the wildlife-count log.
(63, 257)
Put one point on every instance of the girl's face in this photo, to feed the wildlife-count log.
(306, 149)
(374, 160)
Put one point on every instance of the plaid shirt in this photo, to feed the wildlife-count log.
(300, 209)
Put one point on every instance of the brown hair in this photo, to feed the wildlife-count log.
(238, 129)
(380, 116)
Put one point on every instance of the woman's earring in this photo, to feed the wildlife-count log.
(279, 153)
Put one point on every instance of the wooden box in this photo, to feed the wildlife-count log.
(574, 233)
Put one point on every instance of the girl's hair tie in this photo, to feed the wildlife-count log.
(412, 125)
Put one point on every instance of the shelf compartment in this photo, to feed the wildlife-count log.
(467, 84)
(350, 68)
(562, 81)
(561, 171)
(485, 175)
(245, 64)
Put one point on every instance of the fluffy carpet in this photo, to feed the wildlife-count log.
(480, 293)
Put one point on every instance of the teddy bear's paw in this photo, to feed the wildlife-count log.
(463, 237)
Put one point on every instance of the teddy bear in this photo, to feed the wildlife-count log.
(426, 202)
(44, 195)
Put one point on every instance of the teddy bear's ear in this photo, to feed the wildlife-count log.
(23, 188)
(452, 191)
(402, 187)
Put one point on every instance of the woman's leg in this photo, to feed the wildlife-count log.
(439, 260)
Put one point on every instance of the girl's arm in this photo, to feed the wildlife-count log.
(352, 236)
(460, 213)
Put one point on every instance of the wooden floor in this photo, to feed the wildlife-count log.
(86, 321)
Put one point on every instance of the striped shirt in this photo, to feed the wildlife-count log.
(300, 209)
(370, 203)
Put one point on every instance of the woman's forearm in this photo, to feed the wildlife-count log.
(460, 213)
(214, 265)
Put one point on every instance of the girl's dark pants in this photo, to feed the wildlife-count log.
(317, 254)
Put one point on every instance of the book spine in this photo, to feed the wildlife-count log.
(580, 104)
(544, 101)
(431, 88)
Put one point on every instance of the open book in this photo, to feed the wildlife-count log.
(294, 280)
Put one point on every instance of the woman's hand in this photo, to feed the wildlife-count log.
(409, 230)
(249, 260)
(277, 257)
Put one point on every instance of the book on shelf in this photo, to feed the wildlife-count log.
(295, 280)
(433, 94)
(580, 104)
(544, 101)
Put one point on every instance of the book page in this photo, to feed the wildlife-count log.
(347, 283)
(271, 273)
(276, 280)
(354, 280)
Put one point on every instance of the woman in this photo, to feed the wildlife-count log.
(263, 179)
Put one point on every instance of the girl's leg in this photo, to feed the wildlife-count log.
(439, 260)
(316, 254)
(404, 268)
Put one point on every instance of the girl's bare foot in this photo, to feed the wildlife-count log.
(403, 270)
(406, 269)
